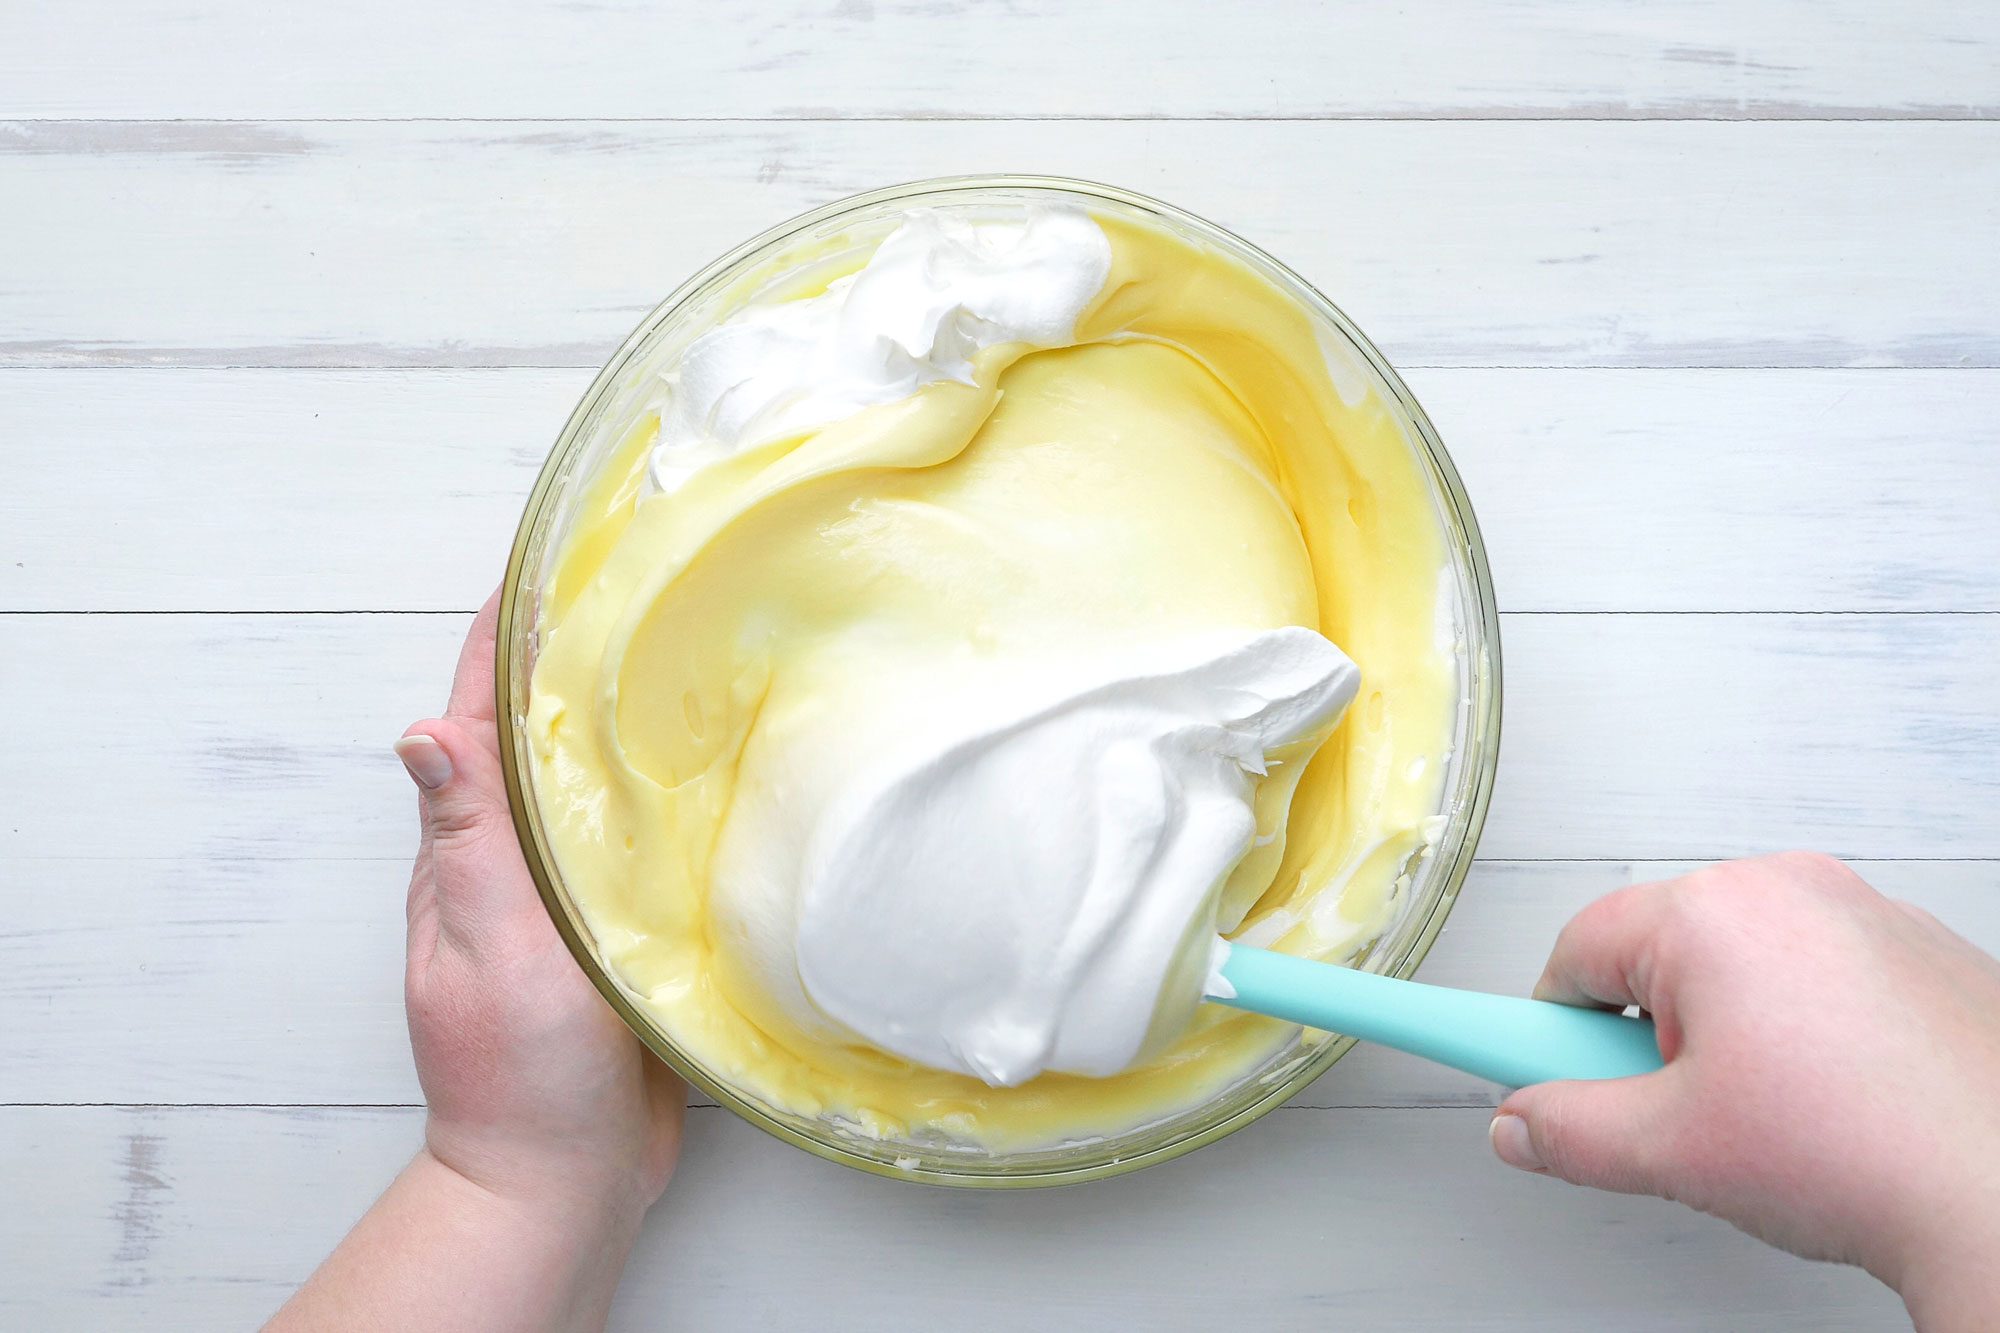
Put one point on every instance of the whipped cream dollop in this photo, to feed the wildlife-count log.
(939, 289)
(1038, 890)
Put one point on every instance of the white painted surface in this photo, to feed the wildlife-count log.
(203, 839)
(1452, 242)
(1307, 1220)
(931, 58)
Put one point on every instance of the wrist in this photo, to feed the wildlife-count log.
(1947, 1279)
(517, 1261)
(1966, 1298)
(539, 1190)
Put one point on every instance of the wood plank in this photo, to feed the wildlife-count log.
(1682, 736)
(1730, 490)
(160, 1220)
(280, 981)
(1453, 243)
(271, 490)
(201, 981)
(1598, 490)
(1627, 737)
(215, 737)
(375, 58)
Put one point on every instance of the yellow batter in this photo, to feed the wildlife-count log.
(1189, 460)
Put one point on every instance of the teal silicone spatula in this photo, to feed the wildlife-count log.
(1513, 1042)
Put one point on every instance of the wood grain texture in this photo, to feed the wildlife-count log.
(1452, 243)
(1598, 490)
(1391, 1220)
(269, 981)
(932, 58)
(1643, 737)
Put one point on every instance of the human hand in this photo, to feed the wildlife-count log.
(551, 1129)
(537, 1091)
(1833, 1075)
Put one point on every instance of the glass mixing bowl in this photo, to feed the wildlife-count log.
(827, 236)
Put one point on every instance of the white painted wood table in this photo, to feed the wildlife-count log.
(1704, 297)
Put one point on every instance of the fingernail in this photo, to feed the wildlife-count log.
(426, 760)
(1511, 1142)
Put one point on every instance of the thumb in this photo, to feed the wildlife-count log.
(464, 798)
(470, 860)
(1611, 1134)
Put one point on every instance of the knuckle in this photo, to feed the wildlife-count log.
(458, 823)
(1566, 1143)
(1700, 887)
(1556, 1139)
(1608, 912)
(1920, 914)
(1812, 866)
(1735, 890)
(1807, 879)
(1702, 899)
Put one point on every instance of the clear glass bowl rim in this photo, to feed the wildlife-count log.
(1485, 686)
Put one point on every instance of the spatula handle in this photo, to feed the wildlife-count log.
(1513, 1042)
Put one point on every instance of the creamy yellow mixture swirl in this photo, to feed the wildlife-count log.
(1186, 464)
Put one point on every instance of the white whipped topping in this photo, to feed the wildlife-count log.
(1039, 890)
(940, 289)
